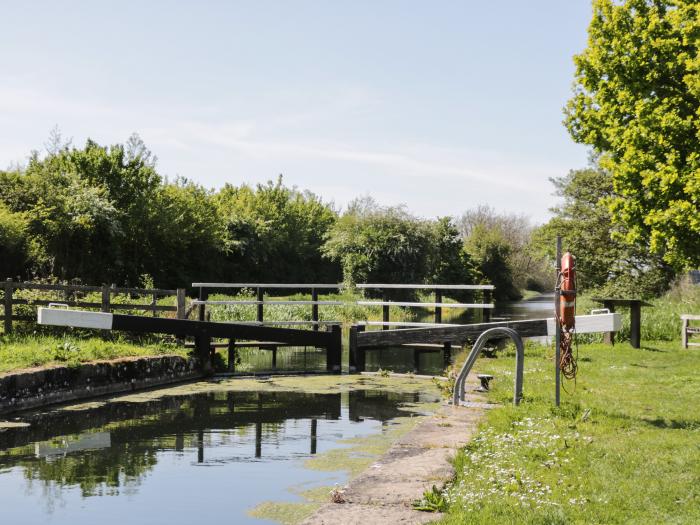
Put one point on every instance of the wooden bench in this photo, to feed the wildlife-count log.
(688, 330)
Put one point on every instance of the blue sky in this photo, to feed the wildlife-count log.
(440, 105)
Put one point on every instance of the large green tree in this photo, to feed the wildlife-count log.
(605, 262)
(636, 102)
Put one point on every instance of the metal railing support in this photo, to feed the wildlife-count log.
(458, 393)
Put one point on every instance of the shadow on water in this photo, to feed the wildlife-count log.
(146, 456)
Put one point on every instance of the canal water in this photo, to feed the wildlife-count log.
(202, 458)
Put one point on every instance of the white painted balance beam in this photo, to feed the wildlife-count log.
(590, 324)
(75, 318)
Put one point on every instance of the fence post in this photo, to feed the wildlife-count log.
(9, 286)
(154, 304)
(314, 308)
(334, 351)
(203, 296)
(357, 354)
(260, 298)
(105, 298)
(438, 309)
(180, 302)
(486, 312)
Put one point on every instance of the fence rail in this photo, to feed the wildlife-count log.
(106, 303)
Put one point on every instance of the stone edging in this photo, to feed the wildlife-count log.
(36, 388)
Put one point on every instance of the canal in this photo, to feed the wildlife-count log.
(208, 455)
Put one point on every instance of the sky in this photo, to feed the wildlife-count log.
(439, 105)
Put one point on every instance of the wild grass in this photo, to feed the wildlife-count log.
(622, 448)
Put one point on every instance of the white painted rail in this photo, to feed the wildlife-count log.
(428, 286)
(427, 305)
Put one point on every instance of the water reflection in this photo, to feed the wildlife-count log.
(61, 468)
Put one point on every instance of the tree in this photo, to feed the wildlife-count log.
(13, 242)
(380, 244)
(450, 262)
(499, 243)
(636, 101)
(604, 261)
(275, 233)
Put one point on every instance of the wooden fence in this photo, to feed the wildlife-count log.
(71, 297)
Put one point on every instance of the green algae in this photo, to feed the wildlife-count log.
(285, 513)
(311, 384)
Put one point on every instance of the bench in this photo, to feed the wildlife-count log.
(689, 330)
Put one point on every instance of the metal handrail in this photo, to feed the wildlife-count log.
(458, 393)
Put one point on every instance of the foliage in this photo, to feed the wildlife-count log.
(636, 102)
(380, 244)
(606, 264)
(499, 244)
(433, 500)
(13, 241)
(274, 233)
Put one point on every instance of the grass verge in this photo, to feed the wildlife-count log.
(22, 351)
(622, 448)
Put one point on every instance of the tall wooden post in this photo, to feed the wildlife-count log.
(232, 355)
(260, 298)
(438, 309)
(154, 304)
(334, 351)
(357, 354)
(314, 308)
(180, 303)
(635, 323)
(9, 288)
(105, 298)
(203, 296)
(314, 432)
(486, 312)
(447, 354)
(557, 343)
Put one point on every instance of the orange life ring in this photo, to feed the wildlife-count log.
(567, 301)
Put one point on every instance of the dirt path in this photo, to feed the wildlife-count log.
(384, 492)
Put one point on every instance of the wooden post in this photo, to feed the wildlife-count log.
(684, 333)
(557, 343)
(203, 296)
(232, 355)
(181, 303)
(357, 354)
(446, 354)
(385, 316)
(609, 337)
(314, 308)
(105, 298)
(9, 288)
(334, 352)
(438, 309)
(486, 312)
(274, 357)
(154, 303)
(260, 298)
(635, 323)
(202, 344)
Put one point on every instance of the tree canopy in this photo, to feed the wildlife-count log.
(637, 89)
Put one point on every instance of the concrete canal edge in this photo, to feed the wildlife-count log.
(420, 459)
(36, 388)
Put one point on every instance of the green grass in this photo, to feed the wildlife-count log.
(21, 351)
(624, 447)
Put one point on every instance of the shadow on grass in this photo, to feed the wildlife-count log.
(658, 422)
